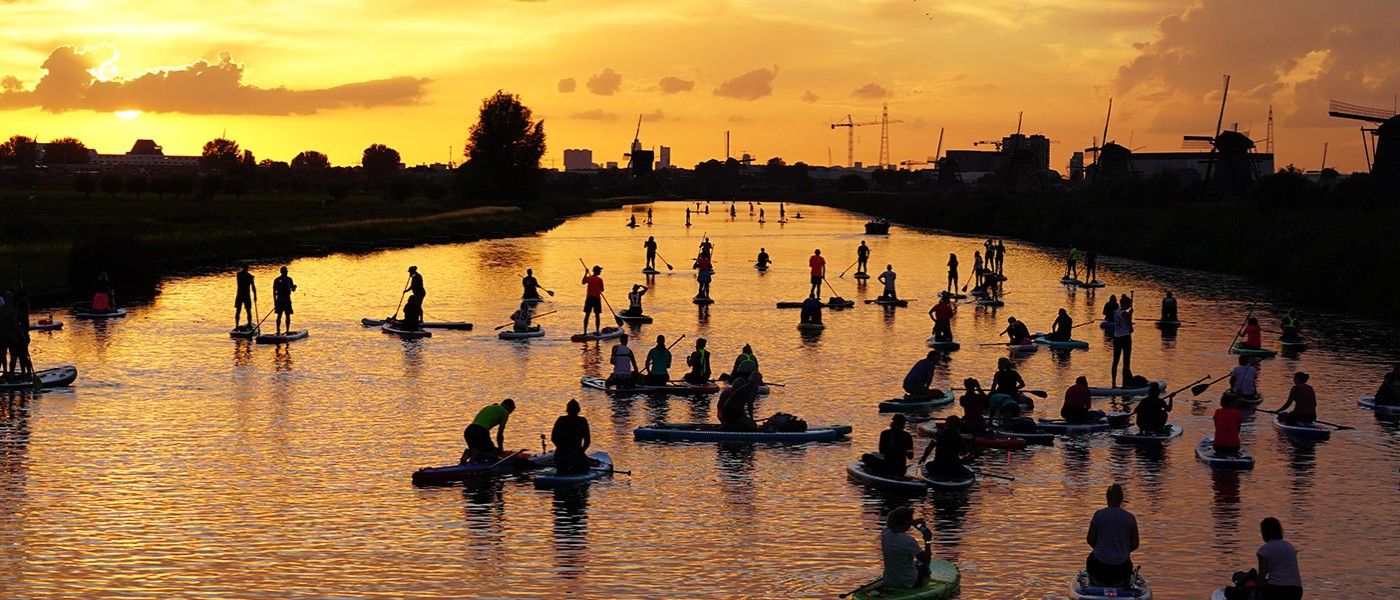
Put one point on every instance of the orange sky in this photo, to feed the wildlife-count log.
(287, 76)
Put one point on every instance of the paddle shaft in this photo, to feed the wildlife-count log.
(401, 297)
(508, 457)
(848, 594)
(1279, 412)
(829, 287)
(663, 261)
(1242, 326)
(1187, 387)
(843, 273)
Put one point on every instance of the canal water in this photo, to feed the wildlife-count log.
(186, 464)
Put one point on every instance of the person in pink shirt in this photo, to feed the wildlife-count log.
(1251, 333)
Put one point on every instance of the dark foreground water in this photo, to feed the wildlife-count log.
(185, 464)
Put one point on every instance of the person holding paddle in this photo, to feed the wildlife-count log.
(650, 246)
(658, 365)
(1152, 411)
(977, 266)
(413, 309)
(1060, 329)
(244, 298)
(1251, 332)
(593, 299)
(521, 318)
(1016, 333)
(948, 449)
(531, 285)
(1007, 383)
(1243, 378)
(942, 315)
(571, 437)
(1071, 268)
(763, 259)
(1303, 399)
(478, 434)
(818, 265)
(282, 289)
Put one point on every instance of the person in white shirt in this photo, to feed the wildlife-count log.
(1243, 378)
(906, 565)
(624, 365)
(887, 278)
(1278, 564)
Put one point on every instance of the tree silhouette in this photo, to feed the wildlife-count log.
(112, 183)
(401, 189)
(19, 151)
(504, 150)
(85, 183)
(66, 151)
(136, 184)
(220, 155)
(380, 161)
(211, 185)
(337, 190)
(311, 159)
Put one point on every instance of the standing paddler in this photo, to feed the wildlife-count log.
(282, 289)
(243, 300)
(593, 299)
(413, 309)
(650, 245)
(862, 257)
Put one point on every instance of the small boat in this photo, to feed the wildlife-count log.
(282, 338)
(1091, 284)
(412, 334)
(1302, 432)
(1125, 391)
(888, 302)
(244, 332)
(942, 582)
(876, 227)
(1040, 338)
(456, 325)
(859, 472)
(917, 404)
(1382, 410)
(705, 432)
(861, 275)
(1205, 451)
(947, 483)
(46, 378)
(680, 389)
(606, 333)
(1156, 438)
(702, 300)
(634, 319)
(1060, 426)
(650, 271)
(1081, 588)
(827, 304)
(115, 313)
(1070, 281)
(46, 325)
(462, 472)
(600, 464)
(810, 326)
(944, 346)
(1238, 348)
(510, 334)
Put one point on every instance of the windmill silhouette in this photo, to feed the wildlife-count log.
(1229, 166)
(1384, 142)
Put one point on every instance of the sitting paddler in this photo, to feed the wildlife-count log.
(948, 457)
(942, 315)
(522, 317)
(624, 365)
(1060, 329)
(1389, 392)
(571, 438)
(887, 278)
(1110, 308)
(1278, 564)
(1152, 411)
(103, 299)
(1113, 534)
(974, 405)
(906, 564)
(918, 382)
(531, 285)
(632, 222)
(812, 310)
(634, 301)
(763, 260)
(1292, 329)
(1078, 406)
(478, 434)
(699, 363)
(413, 309)
(1251, 332)
(658, 365)
(896, 447)
(1016, 333)
(735, 407)
(1169, 308)
(1302, 399)
(744, 365)
(1243, 378)
(1227, 420)
(1006, 380)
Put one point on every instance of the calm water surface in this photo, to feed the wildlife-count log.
(185, 464)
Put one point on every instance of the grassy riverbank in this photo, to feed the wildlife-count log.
(58, 240)
(1323, 256)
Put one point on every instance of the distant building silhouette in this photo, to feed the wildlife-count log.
(145, 154)
(578, 160)
(664, 158)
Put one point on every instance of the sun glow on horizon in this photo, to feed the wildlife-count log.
(127, 115)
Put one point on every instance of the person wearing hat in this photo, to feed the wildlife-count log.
(282, 289)
(593, 300)
(247, 293)
(571, 439)
(413, 309)
(478, 434)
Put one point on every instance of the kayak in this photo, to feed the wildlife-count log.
(1382, 410)
(635, 319)
(47, 378)
(116, 313)
(1091, 284)
(600, 464)
(1141, 438)
(455, 473)
(282, 338)
(1167, 324)
(1206, 453)
(703, 432)
(599, 383)
(907, 404)
(510, 334)
(944, 346)
(1059, 426)
(943, 582)
(1040, 338)
(952, 295)
(1080, 588)
(810, 326)
(1306, 432)
(841, 304)
(1236, 348)
(412, 334)
(47, 325)
(1126, 391)
(859, 472)
(888, 302)
(457, 325)
(244, 332)
(649, 271)
(947, 483)
(997, 441)
(1070, 281)
(605, 333)
(698, 299)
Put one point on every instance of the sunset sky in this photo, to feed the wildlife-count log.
(338, 75)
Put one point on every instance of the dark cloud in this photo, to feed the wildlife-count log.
(606, 83)
(199, 88)
(870, 91)
(596, 114)
(750, 86)
(675, 85)
(567, 86)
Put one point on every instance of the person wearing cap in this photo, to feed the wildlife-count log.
(243, 299)
(478, 434)
(413, 309)
(593, 301)
(571, 439)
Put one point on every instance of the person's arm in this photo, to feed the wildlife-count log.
(1093, 536)
(928, 449)
(501, 436)
(587, 435)
(1020, 383)
(1292, 395)
(632, 356)
(926, 555)
(1263, 568)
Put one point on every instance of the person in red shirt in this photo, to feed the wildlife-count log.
(942, 314)
(593, 301)
(818, 265)
(706, 272)
(1078, 401)
(1227, 427)
(974, 405)
(1303, 399)
(1251, 334)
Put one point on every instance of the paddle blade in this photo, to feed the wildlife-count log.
(1197, 389)
(1036, 393)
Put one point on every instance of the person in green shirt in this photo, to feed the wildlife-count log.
(478, 434)
(658, 365)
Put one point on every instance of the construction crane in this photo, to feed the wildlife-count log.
(850, 124)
